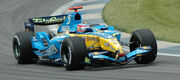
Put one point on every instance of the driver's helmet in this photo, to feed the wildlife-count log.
(82, 27)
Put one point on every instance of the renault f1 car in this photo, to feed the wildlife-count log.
(77, 44)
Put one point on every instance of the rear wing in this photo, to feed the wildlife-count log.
(49, 20)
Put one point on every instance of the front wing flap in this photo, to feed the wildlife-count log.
(127, 58)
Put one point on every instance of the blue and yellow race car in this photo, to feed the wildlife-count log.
(77, 44)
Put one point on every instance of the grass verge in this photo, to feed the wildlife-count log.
(162, 17)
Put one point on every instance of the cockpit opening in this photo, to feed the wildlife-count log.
(77, 16)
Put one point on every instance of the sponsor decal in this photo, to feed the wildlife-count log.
(50, 51)
(106, 44)
(48, 20)
(92, 38)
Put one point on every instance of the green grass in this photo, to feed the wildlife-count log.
(160, 16)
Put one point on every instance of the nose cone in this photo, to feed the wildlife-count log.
(115, 45)
(111, 44)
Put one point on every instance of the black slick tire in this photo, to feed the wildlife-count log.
(22, 47)
(73, 53)
(144, 37)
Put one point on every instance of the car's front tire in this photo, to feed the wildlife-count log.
(22, 47)
(144, 37)
(73, 53)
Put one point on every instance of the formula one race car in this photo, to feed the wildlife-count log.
(77, 44)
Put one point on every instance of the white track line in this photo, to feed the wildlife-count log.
(165, 54)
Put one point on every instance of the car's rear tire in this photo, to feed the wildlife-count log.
(22, 47)
(73, 53)
(144, 37)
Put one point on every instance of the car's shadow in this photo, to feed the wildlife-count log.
(49, 64)
(101, 67)
(116, 66)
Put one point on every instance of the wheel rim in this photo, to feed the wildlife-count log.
(16, 50)
(66, 55)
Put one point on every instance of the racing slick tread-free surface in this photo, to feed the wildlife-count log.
(77, 54)
(26, 54)
(144, 37)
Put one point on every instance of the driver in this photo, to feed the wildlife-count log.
(83, 27)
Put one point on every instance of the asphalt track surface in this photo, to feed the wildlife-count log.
(12, 15)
